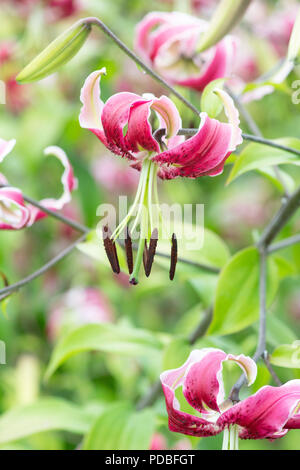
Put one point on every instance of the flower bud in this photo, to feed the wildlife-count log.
(227, 15)
(59, 52)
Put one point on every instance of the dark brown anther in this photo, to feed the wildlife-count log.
(110, 249)
(173, 257)
(145, 255)
(151, 251)
(128, 249)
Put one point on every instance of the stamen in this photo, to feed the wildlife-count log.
(173, 257)
(128, 248)
(110, 249)
(151, 251)
(145, 256)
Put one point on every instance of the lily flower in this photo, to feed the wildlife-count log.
(123, 125)
(269, 413)
(15, 213)
(168, 42)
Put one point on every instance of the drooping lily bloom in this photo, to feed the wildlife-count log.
(168, 42)
(15, 213)
(123, 125)
(79, 306)
(269, 413)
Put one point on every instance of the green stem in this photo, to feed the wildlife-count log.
(143, 214)
(124, 222)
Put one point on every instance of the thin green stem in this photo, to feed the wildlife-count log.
(143, 196)
(225, 439)
(131, 211)
(143, 215)
(152, 176)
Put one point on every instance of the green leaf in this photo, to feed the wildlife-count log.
(104, 338)
(257, 157)
(94, 248)
(47, 414)
(210, 102)
(176, 353)
(287, 355)
(285, 267)
(121, 428)
(237, 299)
(211, 250)
(278, 332)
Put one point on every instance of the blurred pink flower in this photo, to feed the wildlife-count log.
(168, 42)
(269, 413)
(159, 442)
(293, 306)
(14, 212)
(59, 9)
(79, 306)
(114, 176)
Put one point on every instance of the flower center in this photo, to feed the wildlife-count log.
(144, 213)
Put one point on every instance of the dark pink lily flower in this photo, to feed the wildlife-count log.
(168, 42)
(123, 125)
(203, 154)
(269, 413)
(15, 214)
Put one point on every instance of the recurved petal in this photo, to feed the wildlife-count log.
(218, 66)
(267, 413)
(144, 28)
(179, 421)
(90, 114)
(14, 215)
(233, 118)
(202, 152)
(6, 147)
(169, 117)
(115, 116)
(139, 133)
(69, 183)
(203, 383)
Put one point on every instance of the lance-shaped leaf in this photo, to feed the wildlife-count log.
(287, 355)
(224, 19)
(294, 44)
(105, 338)
(60, 51)
(119, 427)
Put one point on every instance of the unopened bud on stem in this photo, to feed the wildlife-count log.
(227, 15)
(60, 51)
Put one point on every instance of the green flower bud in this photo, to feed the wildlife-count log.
(227, 15)
(59, 52)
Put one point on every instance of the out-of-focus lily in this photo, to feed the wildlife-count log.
(159, 442)
(15, 214)
(269, 413)
(123, 125)
(79, 306)
(168, 42)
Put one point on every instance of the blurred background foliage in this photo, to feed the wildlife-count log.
(65, 406)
